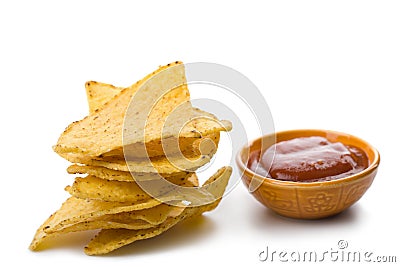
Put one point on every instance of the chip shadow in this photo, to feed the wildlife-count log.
(283, 227)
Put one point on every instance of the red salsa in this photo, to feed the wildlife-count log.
(308, 159)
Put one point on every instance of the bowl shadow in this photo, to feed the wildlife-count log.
(278, 225)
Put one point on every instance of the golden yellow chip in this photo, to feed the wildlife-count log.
(102, 131)
(123, 176)
(154, 216)
(106, 125)
(136, 134)
(189, 146)
(181, 135)
(133, 220)
(92, 187)
(100, 93)
(109, 240)
(101, 224)
(76, 210)
(161, 165)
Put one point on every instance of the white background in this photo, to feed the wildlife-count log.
(319, 64)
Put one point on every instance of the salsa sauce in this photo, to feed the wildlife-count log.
(308, 159)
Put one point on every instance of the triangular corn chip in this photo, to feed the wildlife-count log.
(92, 187)
(111, 127)
(134, 220)
(154, 216)
(102, 131)
(101, 224)
(123, 176)
(109, 240)
(100, 93)
(140, 219)
(161, 165)
(76, 210)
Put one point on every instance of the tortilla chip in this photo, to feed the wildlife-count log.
(185, 142)
(187, 146)
(134, 220)
(92, 187)
(123, 176)
(99, 94)
(112, 142)
(198, 196)
(108, 240)
(76, 210)
(161, 164)
(115, 191)
(101, 224)
(190, 147)
(101, 131)
(154, 216)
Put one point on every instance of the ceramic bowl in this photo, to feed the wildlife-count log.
(308, 200)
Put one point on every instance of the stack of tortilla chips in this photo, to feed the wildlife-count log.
(138, 151)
